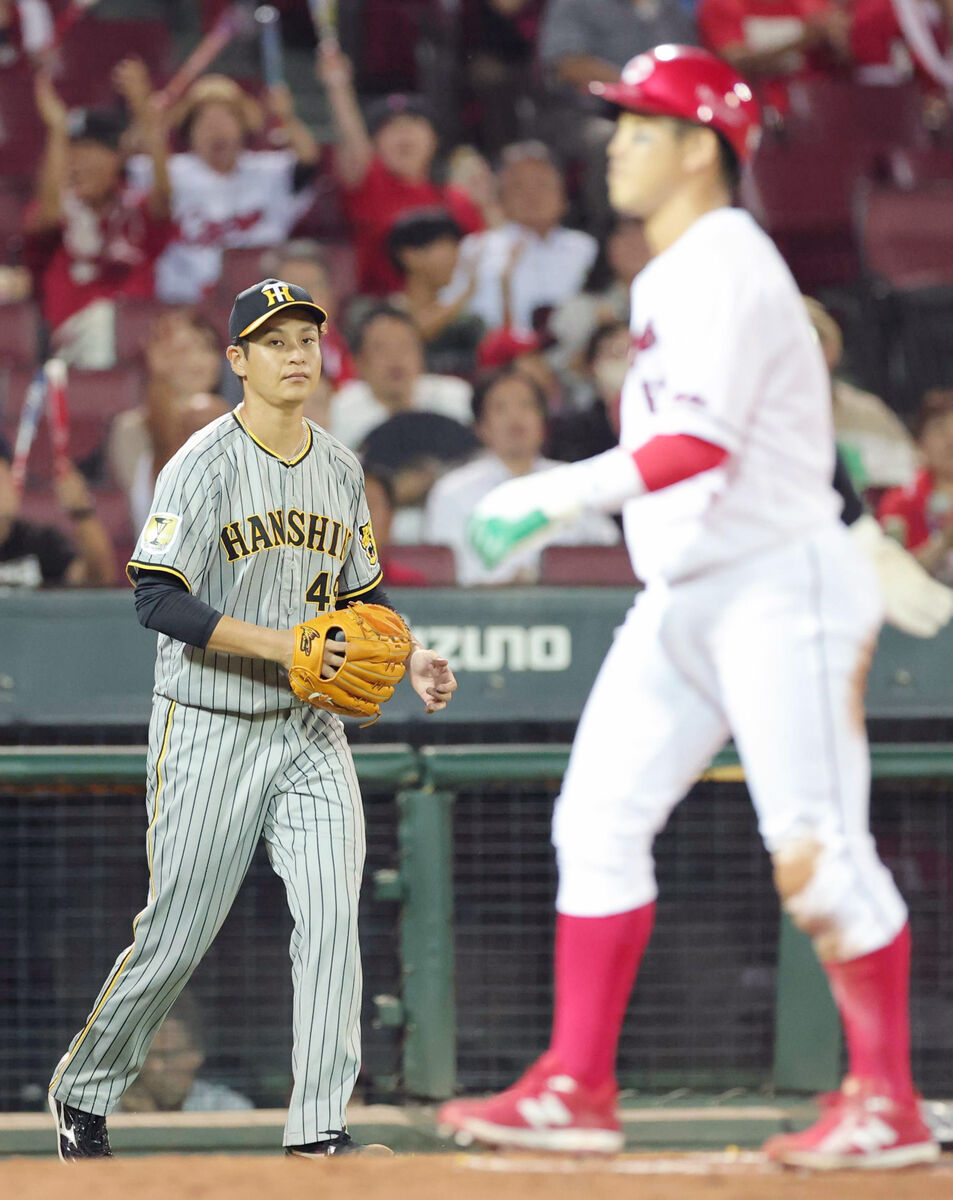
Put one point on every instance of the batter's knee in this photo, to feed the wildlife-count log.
(838, 892)
(604, 875)
(604, 854)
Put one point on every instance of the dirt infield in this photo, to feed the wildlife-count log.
(460, 1177)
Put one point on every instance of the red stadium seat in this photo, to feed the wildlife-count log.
(112, 508)
(87, 57)
(134, 322)
(241, 267)
(95, 394)
(325, 219)
(436, 563)
(41, 508)
(391, 29)
(22, 134)
(906, 237)
(13, 202)
(94, 398)
(19, 333)
(87, 438)
(585, 566)
(342, 265)
(832, 110)
(93, 47)
(914, 166)
(802, 194)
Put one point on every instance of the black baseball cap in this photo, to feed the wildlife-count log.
(256, 304)
(102, 125)
(397, 105)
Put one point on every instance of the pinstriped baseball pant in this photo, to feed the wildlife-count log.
(216, 784)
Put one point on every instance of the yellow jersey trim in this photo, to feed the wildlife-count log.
(289, 462)
(360, 591)
(152, 892)
(144, 566)
(729, 774)
(150, 837)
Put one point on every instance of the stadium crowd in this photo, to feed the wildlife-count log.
(458, 234)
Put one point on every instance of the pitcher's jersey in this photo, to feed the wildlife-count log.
(260, 538)
(722, 349)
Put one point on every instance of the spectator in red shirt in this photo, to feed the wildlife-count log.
(920, 516)
(90, 238)
(774, 41)
(384, 168)
(882, 53)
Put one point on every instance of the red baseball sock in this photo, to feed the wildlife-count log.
(596, 963)
(873, 995)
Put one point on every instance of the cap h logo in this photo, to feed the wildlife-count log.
(277, 293)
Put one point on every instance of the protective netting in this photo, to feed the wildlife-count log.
(702, 1015)
(72, 876)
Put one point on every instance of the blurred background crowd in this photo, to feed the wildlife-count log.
(434, 175)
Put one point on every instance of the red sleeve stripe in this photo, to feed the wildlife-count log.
(670, 458)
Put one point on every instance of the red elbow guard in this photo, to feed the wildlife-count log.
(670, 458)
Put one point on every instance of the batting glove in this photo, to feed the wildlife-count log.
(532, 509)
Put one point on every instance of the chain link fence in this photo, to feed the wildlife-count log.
(73, 874)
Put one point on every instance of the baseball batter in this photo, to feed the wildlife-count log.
(758, 619)
(258, 523)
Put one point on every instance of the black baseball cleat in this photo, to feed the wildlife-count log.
(337, 1142)
(79, 1134)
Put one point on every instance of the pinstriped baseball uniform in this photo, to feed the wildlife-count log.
(234, 756)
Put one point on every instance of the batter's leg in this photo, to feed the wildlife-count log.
(793, 681)
(792, 658)
(648, 731)
(206, 776)
(315, 836)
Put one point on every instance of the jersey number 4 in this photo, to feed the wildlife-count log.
(321, 592)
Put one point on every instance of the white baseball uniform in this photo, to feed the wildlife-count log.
(759, 613)
(256, 204)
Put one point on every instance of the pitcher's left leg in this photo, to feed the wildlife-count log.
(315, 836)
(792, 673)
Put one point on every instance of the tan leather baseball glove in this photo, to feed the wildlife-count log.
(376, 644)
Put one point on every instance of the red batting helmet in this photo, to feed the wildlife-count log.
(686, 82)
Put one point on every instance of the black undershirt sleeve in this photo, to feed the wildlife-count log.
(853, 508)
(376, 595)
(163, 603)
